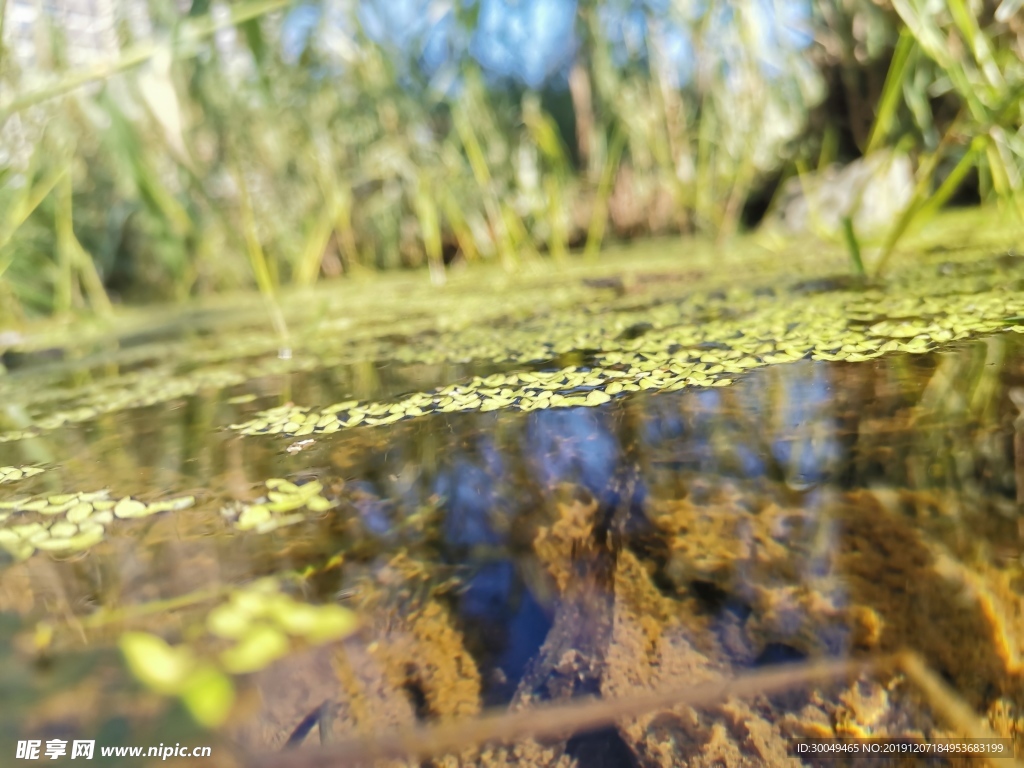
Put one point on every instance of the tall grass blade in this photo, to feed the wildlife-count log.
(919, 197)
(892, 91)
(482, 175)
(308, 268)
(26, 203)
(460, 227)
(261, 269)
(853, 247)
(966, 22)
(430, 229)
(599, 214)
(952, 182)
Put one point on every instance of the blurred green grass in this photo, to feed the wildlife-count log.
(163, 175)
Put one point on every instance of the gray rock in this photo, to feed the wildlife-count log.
(872, 191)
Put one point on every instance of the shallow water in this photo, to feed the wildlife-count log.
(499, 558)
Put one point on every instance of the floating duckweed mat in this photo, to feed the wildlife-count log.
(70, 522)
(697, 309)
(585, 333)
(689, 344)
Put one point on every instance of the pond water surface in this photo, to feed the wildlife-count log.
(522, 494)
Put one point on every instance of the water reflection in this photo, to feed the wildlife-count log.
(575, 445)
(471, 502)
(793, 515)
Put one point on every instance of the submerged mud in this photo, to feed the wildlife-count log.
(726, 598)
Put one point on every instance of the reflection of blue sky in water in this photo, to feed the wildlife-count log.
(788, 423)
(534, 41)
(784, 429)
(496, 476)
(471, 484)
(511, 620)
(805, 443)
(572, 445)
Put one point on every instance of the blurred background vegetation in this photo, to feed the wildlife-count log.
(157, 150)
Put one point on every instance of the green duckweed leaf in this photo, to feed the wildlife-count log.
(171, 505)
(208, 694)
(130, 508)
(252, 517)
(229, 621)
(79, 512)
(156, 664)
(14, 474)
(63, 530)
(259, 647)
(318, 504)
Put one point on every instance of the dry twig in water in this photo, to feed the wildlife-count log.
(553, 721)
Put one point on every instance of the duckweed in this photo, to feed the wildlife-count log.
(704, 340)
(175, 671)
(155, 663)
(656, 342)
(257, 648)
(282, 496)
(250, 610)
(229, 621)
(208, 694)
(70, 522)
(259, 623)
(128, 508)
(261, 618)
(13, 474)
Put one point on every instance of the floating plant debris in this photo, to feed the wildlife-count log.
(260, 619)
(648, 367)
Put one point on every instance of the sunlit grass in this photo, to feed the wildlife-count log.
(201, 179)
(984, 73)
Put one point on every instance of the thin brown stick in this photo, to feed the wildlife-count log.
(947, 704)
(555, 721)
